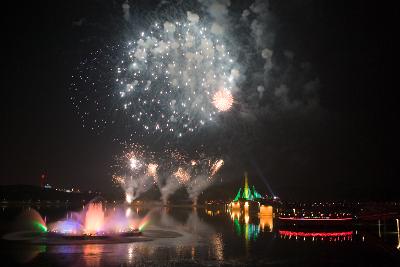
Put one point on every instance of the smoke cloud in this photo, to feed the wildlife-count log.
(125, 10)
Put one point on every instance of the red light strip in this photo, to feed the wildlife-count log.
(315, 219)
(316, 234)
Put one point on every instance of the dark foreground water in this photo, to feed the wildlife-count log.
(214, 237)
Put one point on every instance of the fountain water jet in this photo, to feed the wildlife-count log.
(94, 218)
(94, 221)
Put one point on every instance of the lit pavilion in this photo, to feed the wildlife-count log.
(247, 194)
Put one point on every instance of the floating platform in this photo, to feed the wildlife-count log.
(49, 238)
(325, 221)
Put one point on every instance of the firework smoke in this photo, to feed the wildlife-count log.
(203, 179)
(169, 171)
(140, 173)
(170, 187)
(196, 186)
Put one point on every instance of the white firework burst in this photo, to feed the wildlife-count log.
(165, 81)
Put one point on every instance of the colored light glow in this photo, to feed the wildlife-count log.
(92, 254)
(128, 212)
(143, 225)
(251, 232)
(235, 214)
(95, 220)
(246, 218)
(316, 234)
(246, 229)
(266, 217)
(246, 191)
(67, 227)
(235, 205)
(238, 228)
(315, 219)
(40, 226)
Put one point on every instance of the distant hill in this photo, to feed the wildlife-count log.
(34, 193)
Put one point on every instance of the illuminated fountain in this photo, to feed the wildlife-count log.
(93, 225)
(94, 218)
(94, 222)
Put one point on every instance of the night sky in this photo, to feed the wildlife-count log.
(342, 147)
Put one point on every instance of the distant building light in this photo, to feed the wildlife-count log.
(47, 186)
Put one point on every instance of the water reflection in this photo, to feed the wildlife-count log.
(212, 235)
(314, 236)
(130, 253)
(266, 218)
(218, 245)
(27, 253)
(250, 224)
(92, 254)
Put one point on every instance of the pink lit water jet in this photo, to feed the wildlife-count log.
(95, 221)
(94, 218)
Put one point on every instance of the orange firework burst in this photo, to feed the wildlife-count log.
(223, 100)
(118, 179)
(152, 169)
(182, 175)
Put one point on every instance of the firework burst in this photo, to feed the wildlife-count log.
(167, 80)
(182, 175)
(223, 100)
(152, 169)
(138, 170)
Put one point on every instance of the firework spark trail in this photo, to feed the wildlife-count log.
(182, 175)
(216, 166)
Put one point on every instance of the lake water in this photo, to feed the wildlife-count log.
(214, 237)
